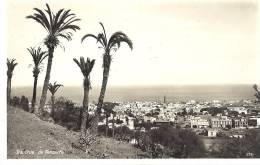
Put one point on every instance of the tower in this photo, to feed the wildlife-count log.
(164, 99)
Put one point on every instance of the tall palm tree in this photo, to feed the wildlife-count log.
(38, 56)
(58, 25)
(86, 67)
(10, 68)
(113, 43)
(53, 88)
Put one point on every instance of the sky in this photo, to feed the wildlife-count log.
(176, 42)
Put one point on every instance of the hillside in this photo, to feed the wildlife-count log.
(29, 138)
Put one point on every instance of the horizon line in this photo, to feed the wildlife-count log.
(150, 85)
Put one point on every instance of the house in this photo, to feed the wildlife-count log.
(220, 122)
(254, 121)
(239, 122)
(212, 132)
(199, 122)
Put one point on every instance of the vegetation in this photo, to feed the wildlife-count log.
(66, 113)
(53, 88)
(247, 147)
(257, 94)
(26, 132)
(214, 110)
(22, 102)
(86, 67)
(58, 25)
(171, 142)
(164, 142)
(38, 56)
(10, 68)
(108, 110)
(113, 43)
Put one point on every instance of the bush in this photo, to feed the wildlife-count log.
(66, 114)
(22, 102)
(246, 147)
(171, 142)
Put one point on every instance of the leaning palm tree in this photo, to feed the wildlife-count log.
(38, 56)
(86, 68)
(113, 43)
(58, 25)
(10, 68)
(53, 88)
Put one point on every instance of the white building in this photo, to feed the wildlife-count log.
(212, 132)
(199, 122)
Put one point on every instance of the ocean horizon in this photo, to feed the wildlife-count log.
(173, 93)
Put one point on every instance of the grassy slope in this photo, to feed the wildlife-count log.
(26, 132)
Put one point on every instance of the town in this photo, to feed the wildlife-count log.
(211, 119)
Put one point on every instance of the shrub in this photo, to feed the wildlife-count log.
(246, 147)
(22, 102)
(171, 142)
(66, 114)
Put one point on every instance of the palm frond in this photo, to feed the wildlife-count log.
(10, 66)
(119, 37)
(57, 24)
(53, 88)
(85, 66)
(104, 31)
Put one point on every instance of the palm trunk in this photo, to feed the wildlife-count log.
(9, 78)
(106, 125)
(80, 118)
(52, 106)
(103, 88)
(94, 122)
(34, 93)
(85, 111)
(46, 81)
(113, 126)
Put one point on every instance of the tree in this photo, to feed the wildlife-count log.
(113, 124)
(246, 147)
(58, 25)
(10, 68)
(53, 88)
(86, 67)
(108, 110)
(257, 94)
(113, 43)
(24, 103)
(38, 56)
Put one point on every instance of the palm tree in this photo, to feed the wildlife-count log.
(10, 68)
(113, 43)
(53, 88)
(58, 25)
(86, 67)
(38, 56)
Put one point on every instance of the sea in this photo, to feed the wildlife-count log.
(173, 93)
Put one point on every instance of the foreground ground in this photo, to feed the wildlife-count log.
(29, 137)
